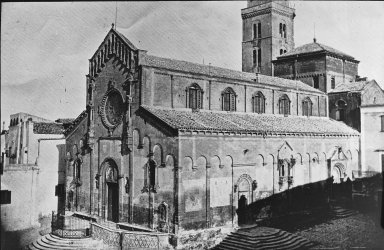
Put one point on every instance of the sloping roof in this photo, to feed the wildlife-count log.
(350, 87)
(315, 47)
(48, 128)
(195, 68)
(76, 121)
(185, 119)
(65, 120)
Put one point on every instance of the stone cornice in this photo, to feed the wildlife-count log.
(266, 11)
(192, 132)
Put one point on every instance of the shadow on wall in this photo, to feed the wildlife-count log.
(310, 203)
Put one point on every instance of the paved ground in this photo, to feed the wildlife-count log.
(358, 231)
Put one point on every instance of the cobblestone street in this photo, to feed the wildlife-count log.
(357, 231)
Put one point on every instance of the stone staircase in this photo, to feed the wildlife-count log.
(340, 212)
(263, 238)
(51, 242)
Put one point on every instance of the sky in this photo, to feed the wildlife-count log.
(45, 47)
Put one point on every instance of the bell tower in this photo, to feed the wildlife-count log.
(267, 33)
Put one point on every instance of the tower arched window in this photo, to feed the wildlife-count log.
(195, 97)
(256, 30)
(284, 30)
(254, 57)
(281, 51)
(307, 107)
(340, 112)
(281, 29)
(258, 103)
(284, 105)
(229, 99)
(259, 59)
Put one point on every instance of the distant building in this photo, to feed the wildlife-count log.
(361, 105)
(32, 171)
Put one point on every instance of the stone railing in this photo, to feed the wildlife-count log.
(69, 226)
(144, 240)
(129, 240)
(109, 236)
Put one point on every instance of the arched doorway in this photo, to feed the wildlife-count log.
(336, 175)
(244, 196)
(110, 197)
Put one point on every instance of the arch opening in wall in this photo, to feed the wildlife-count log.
(215, 162)
(307, 107)
(110, 190)
(284, 105)
(187, 163)
(228, 99)
(341, 106)
(258, 100)
(195, 96)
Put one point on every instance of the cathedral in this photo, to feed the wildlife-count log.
(172, 145)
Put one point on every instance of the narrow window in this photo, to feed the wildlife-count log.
(285, 51)
(229, 100)
(254, 31)
(254, 57)
(195, 96)
(259, 58)
(152, 175)
(281, 29)
(285, 31)
(316, 82)
(382, 123)
(281, 51)
(340, 112)
(284, 105)
(307, 107)
(258, 103)
(333, 82)
(259, 30)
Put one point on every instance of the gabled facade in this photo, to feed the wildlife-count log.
(173, 145)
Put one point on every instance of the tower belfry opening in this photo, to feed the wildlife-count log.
(267, 33)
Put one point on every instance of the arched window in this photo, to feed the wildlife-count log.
(284, 105)
(254, 57)
(254, 30)
(307, 107)
(284, 31)
(195, 97)
(258, 103)
(259, 30)
(259, 59)
(333, 82)
(340, 112)
(281, 29)
(229, 99)
(76, 169)
(152, 175)
(281, 51)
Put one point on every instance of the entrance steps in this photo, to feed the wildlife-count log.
(263, 238)
(53, 242)
(340, 212)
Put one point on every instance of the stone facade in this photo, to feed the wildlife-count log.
(155, 148)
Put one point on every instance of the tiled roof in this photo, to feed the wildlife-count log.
(314, 48)
(350, 87)
(48, 128)
(76, 121)
(195, 68)
(206, 120)
(65, 120)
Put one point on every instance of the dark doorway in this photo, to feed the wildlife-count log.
(241, 211)
(113, 202)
